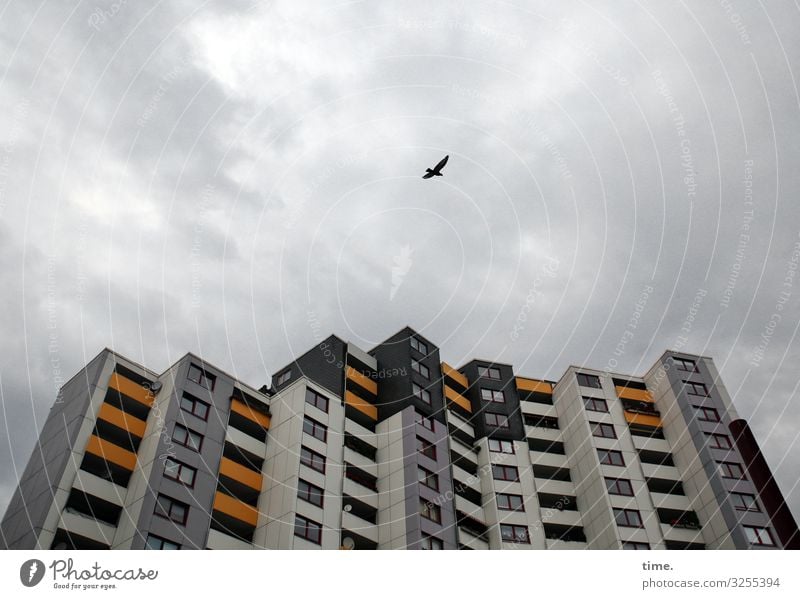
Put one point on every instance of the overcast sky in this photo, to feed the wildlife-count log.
(239, 180)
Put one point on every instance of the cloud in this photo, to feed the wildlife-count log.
(218, 180)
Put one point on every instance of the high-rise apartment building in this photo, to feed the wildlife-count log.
(394, 449)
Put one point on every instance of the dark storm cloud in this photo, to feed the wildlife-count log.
(236, 181)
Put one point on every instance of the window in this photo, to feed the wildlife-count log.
(312, 459)
(718, 441)
(629, 518)
(508, 473)
(601, 429)
(610, 457)
(201, 377)
(429, 542)
(180, 472)
(499, 446)
(493, 395)
(698, 389)
(154, 542)
(284, 376)
(426, 448)
(418, 345)
(509, 502)
(310, 493)
(315, 429)
(428, 478)
(731, 470)
(420, 368)
(307, 529)
(496, 420)
(168, 508)
(589, 380)
(317, 400)
(513, 533)
(619, 486)
(706, 414)
(595, 404)
(183, 436)
(489, 372)
(423, 421)
(684, 365)
(422, 394)
(635, 545)
(430, 511)
(757, 535)
(745, 502)
(194, 406)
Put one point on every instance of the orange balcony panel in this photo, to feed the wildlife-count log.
(454, 374)
(534, 385)
(457, 398)
(124, 421)
(111, 453)
(634, 394)
(361, 405)
(363, 381)
(243, 409)
(130, 389)
(240, 473)
(235, 509)
(643, 419)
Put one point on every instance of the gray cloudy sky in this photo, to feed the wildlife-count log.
(238, 179)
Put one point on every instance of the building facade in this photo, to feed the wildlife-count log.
(395, 449)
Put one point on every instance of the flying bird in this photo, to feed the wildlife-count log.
(436, 171)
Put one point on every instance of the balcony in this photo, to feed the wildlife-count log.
(681, 535)
(561, 518)
(85, 526)
(543, 445)
(457, 401)
(361, 527)
(555, 487)
(558, 544)
(246, 442)
(461, 449)
(660, 472)
(93, 507)
(365, 494)
(538, 409)
(548, 459)
(233, 517)
(252, 420)
(220, 541)
(544, 434)
(469, 508)
(360, 461)
(100, 487)
(357, 430)
(665, 486)
(462, 476)
(634, 395)
(239, 481)
(671, 502)
(472, 525)
(468, 464)
(132, 426)
(130, 389)
(567, 534)
(456, 421)
(470, 540)
(651, 444)
(680, 525)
